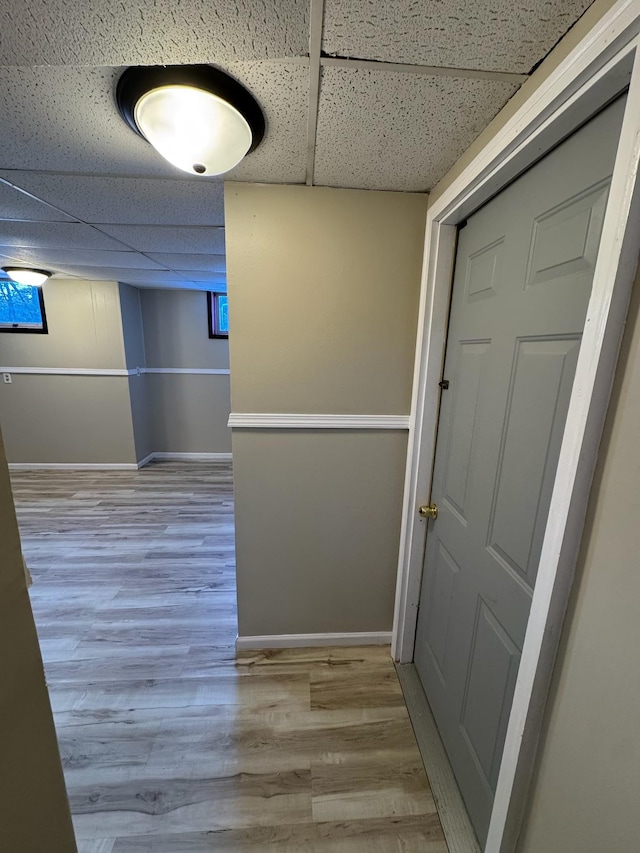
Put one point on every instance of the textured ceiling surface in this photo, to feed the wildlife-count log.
(83, 195)
(66, 119)
(495, 35)
(389, 127)
(56, 235)
(139, 201)
(15, 204)
(169, 238)
(150, 32)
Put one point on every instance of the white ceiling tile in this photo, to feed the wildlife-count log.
(282, 90)
(74, 113)
(148, 32)
(169, 238)
(55, 235)
(173, 261)
(378, 130)
(87, 257)
(66, 119)
(17, 205)
(201, 275)
(128, 276)
(6, 260)
(495, 35)
(186, 285)
(144, 201)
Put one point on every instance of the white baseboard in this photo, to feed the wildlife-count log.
(73, 466)
(119, 466)
(189, 457)
(295, 641)
(146, 460)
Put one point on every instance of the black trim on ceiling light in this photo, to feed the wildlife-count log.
(140, 79)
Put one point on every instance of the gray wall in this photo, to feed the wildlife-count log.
(35, 811)
(69, 419)
(132, 329)
(323, 290)
(317, 529)
(85, 328)
(135, 357)
(115, 419)
(323, 298)
(188, 412)
(176, 331)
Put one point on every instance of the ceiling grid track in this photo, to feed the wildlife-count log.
(315, 50)
(366, 95)
(422, 70)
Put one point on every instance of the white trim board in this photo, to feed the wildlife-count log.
(119, 466)
(300, 641)
(187, 457)
(192, 371)
(97, 371)
(73, 466)
(69, 371)
(595, 71)
(142, 462)
(239, 420)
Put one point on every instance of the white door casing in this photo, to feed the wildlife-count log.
(596, 70)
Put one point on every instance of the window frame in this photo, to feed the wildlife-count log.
(27, 330)
(213, 311)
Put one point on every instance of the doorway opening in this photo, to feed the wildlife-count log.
(589, 80)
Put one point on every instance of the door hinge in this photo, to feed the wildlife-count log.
(444, 384)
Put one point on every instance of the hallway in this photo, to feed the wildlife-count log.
(170, 742)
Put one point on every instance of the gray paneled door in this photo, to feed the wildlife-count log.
(523, 276)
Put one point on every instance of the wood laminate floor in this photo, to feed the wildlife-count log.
(173, 743)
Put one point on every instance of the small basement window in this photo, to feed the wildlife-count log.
(21, 308)
(218, 315)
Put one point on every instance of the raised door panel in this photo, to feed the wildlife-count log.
(441, 598)
(540, 388)
(462, 422)
(565, 239)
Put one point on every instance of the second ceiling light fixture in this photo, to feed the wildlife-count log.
(196, 116)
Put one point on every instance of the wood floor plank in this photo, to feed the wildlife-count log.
(377, 686)
(348, 789)
(96, 845)
(285, 693)
(414, 834)
(171, 741)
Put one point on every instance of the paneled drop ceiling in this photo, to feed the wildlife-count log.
(368, 94)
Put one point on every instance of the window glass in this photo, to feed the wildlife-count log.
(21, 308)
(223, 314)
(218, 315)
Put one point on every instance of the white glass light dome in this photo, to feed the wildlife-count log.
(197, 117)
(195, 130)
(21, 275)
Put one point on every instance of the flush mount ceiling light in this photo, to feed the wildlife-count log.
(26, 275)
(196, 116)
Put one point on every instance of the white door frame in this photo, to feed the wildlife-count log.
(599, 67)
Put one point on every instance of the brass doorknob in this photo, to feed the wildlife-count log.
(430, 511)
